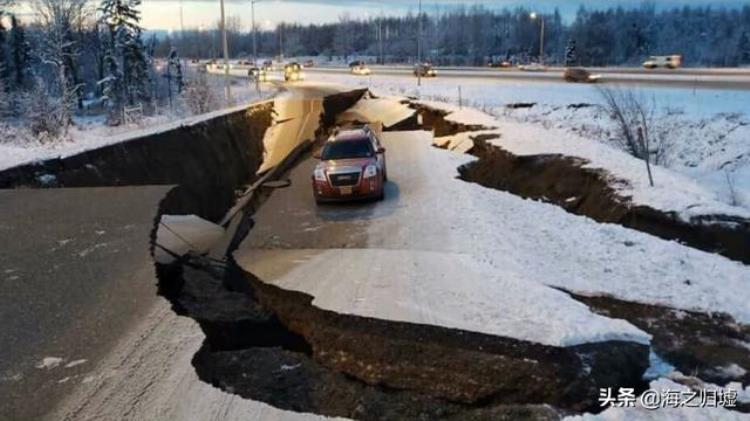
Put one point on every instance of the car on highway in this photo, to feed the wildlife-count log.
(259, 74)
(504, 64)
(293, 72)
(669, 62)
(533, 67)
(309, 63)
(580, 75)
(359, 68)
(424, 70)
(352, 166)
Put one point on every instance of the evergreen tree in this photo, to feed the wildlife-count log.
(136, 70)
(174, 62)
(4, 67)
(19, 51)
(111, 85)
(126, 64)
(743, 49)
(4, 99)
(571, 56)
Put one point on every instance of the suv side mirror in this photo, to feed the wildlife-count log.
(381, 150)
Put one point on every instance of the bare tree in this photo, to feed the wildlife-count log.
(58, 50)
(199, 96)
(634, 117)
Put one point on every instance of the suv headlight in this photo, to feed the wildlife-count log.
(371, 171)
(320, 174)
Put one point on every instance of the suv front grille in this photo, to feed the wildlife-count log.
(344, 179)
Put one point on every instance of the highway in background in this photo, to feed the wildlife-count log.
(687, 78)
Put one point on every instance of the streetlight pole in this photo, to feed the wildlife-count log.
(227, 88)
(534, 15)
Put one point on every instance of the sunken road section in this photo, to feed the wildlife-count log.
(272, 345)
(563, 181)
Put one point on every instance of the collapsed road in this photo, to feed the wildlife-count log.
(385, 310)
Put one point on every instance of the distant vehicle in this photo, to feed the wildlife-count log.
(533, 67)
(309, 63)
(424, 70)
(669, 62)
(352, 166)
(202, 67)
(359, 68)
(580, 75)
(268, 65)
(293, 72)
(258, 74)
(505, 64)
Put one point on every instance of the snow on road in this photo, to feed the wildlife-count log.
(514, 246)
(149, 376)
(440, 289)
(541, 243)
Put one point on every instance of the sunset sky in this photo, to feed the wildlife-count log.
(165, 14)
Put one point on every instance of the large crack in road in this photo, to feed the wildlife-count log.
(273, 344)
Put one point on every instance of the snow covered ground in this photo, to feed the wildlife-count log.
(673, 190)
(18, 146)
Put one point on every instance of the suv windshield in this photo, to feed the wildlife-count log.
(347, 149)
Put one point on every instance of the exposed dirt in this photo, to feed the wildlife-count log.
(565, 182)
(207, 161)
(695, 343)
(272, 345)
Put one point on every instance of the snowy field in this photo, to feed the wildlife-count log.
(706, 132)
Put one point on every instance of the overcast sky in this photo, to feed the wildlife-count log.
(165, 14)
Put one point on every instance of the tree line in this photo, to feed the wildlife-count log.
(704, 36)
(78, 57)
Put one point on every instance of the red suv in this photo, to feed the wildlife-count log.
(352, 166)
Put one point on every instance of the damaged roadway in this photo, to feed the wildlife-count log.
(405, 321)
(411, 311)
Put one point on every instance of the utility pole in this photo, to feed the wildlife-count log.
(255, 32)
(419, 45)
(534, 15)
(227, 88)
(381, 59)
(280, 28)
